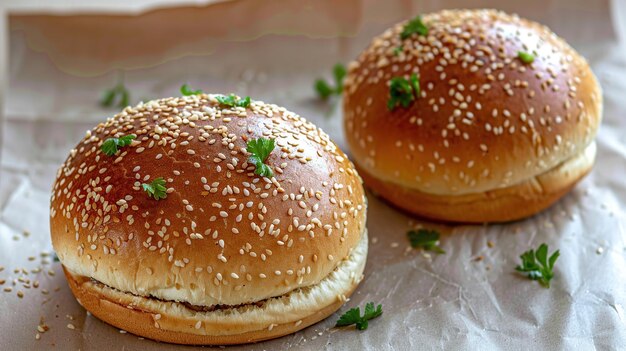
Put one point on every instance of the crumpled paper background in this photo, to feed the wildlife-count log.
(469, 298)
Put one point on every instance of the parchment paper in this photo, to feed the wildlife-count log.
(468, 298)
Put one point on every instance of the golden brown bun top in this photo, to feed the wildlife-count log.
(484, 119)
(223, 235)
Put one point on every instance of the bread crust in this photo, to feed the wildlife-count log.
(175, 323)
(499, 205)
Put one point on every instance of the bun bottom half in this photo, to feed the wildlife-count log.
(175, 322)
(499, 205)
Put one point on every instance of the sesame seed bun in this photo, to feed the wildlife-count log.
(224, 240)
(486, 125)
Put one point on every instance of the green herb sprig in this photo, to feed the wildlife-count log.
(118, 93)
(325, 90)
(110, 146)
(353, 316)
(156, 189)
(403, 92)
(259, 150)
(186, 90)
(233, 101)
(538, 266)
(525, 57)
(425, 239)
(414, 26)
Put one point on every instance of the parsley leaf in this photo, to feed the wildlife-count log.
(426, 239)
(108, 97)
(537, 264)
(525, 57)
(325, 90)
(186, 90)
(125, 99)
(402, 92)
(233, 101)
(414, 26)
(260, 149)
(245, 102)
(156, 188)
(110, 146)
(397, 50)
(353, 316)
(339, 73)
(119, 93)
